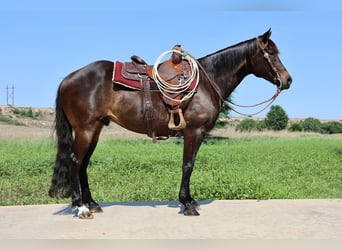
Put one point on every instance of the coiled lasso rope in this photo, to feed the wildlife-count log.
(166, 87)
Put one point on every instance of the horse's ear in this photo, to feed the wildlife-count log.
(266, 36)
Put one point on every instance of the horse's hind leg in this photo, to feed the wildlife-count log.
(84, 146)
(86, 194)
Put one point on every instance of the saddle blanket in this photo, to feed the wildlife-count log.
(119, 78)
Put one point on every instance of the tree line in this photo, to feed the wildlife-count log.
(277, 119)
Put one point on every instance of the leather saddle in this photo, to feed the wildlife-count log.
(138, 75)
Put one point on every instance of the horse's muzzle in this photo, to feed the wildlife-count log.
(286, 82)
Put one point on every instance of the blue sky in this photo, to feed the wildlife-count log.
(42, 42)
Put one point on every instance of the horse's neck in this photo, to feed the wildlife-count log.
(227, 68)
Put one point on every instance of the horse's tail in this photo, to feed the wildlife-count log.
(61, 178)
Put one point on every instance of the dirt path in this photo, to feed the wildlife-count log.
(247, 219)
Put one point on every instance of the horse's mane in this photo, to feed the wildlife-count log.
(235, 53)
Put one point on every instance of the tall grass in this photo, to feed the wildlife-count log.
(137, 170)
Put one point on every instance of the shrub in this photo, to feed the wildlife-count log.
(312, 125)
(331, 128)
(225, 109)
(276, 118)
(24, 112)
(246, 125)
(261, 125)
(296, 127)
(16, 111)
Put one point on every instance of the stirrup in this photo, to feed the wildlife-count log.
(182, 123)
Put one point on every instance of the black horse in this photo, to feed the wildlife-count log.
(87, 100)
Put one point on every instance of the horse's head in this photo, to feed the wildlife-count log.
(266, 63)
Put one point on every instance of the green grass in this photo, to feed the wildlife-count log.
(137, 170)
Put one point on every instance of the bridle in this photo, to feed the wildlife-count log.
(276, 79)
(268, 59)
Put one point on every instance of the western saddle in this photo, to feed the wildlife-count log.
(138, 75)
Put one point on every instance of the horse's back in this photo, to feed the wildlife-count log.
(86, 73)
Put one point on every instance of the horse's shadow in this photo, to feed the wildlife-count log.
(67, 210)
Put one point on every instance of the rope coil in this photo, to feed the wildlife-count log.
(166, 87)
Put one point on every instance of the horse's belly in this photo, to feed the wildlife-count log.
(135, 115)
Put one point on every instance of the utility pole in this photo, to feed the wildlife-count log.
(10, 94)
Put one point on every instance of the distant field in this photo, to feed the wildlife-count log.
(259, 167)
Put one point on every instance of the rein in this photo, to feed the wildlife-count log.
(270, 100)
(231, 104)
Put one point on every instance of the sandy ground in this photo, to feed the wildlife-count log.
(246, 219)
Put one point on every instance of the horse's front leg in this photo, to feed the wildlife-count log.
(192, 143)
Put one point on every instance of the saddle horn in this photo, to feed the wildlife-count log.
(176, 57)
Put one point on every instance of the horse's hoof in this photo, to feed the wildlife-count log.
(96, 209)
(84, 213)
(86, 216)
(195, 205)
(191, 212)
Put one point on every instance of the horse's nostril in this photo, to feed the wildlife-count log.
(289, 80)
